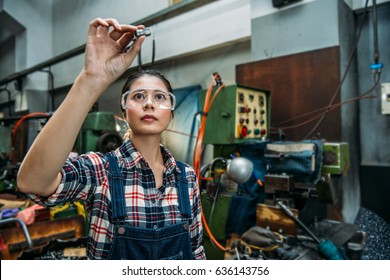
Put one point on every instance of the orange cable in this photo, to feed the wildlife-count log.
(19, 122)
(198, 153)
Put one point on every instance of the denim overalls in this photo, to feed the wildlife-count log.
(168, 243)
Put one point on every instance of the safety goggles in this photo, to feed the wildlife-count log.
(139, 97)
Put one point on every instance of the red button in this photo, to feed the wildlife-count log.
(244, 131)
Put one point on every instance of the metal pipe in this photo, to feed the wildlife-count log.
(376, 44)
(24, 228)
(15, 118)
(9, 100)
(51, 89)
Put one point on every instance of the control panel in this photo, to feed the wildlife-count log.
(239, 113)
(251, 114)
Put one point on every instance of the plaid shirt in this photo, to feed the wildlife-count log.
(86, 178)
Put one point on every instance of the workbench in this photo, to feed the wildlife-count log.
(41, 233)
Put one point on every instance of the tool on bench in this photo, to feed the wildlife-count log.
(326, 247)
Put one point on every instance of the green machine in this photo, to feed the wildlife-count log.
(239, 113)
(336, 158)
(5, 140)
(7, 171)
(98, 133)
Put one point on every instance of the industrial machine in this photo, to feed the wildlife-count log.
(98, 133)
(58, 224)
(7, 170)
(280, 210)
(238, 126)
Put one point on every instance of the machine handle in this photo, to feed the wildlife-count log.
(24, 228)
(288, 212)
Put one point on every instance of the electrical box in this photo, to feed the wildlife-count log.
(385, 100)
(239, 113)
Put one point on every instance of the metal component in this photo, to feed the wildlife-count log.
(278, 182)
(336, 158)
(237, 253)
(143, 32)
(24, 229)
(108, 141)
(5, 139)
(289, 213)
(98, 133)
(239, 169)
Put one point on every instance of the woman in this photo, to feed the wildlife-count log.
(142, 204)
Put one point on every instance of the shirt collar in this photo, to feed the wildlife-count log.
(129, 156)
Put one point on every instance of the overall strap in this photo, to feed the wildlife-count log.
(117, 190)
(182, 190)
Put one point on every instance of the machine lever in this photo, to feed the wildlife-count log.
(299, 222)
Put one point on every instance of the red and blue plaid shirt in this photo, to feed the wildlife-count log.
(86, 178)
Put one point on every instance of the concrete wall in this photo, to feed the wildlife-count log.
(36, 41)
(305, 26)
(374, 127)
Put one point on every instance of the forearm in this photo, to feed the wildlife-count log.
(106, 59)
(40, 169)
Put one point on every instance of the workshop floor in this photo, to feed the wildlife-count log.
(378, 230)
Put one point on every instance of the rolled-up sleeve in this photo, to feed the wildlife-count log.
(80, 177)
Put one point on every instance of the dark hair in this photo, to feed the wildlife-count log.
(145, 72)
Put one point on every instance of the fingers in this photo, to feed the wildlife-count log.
(126, 35)
(103, 29)
(121, 33)
(113, 22)
(93, 25)
(125, 40)
(101, 26)
(134, 50)
(125, 30)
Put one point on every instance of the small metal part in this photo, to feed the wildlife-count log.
(24, 229)
(142, 32)
(279, 183)
(289, 213)
(237, 253)
(121, 230)
(138, 33)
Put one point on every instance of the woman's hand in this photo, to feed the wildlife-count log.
(105, 56)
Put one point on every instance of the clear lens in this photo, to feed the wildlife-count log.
(138, 98)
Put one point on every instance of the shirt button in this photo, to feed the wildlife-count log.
(153, 201)
(121, 230)
(155, 226)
